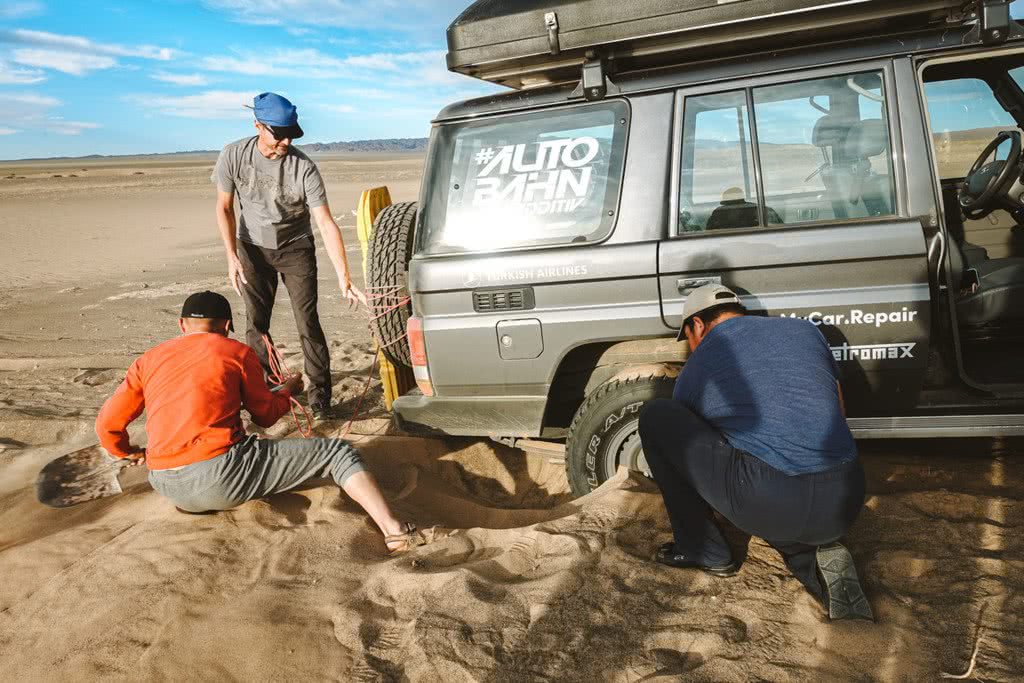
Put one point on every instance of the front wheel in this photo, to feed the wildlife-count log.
(605, 431)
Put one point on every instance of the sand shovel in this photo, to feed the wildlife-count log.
(86, 474)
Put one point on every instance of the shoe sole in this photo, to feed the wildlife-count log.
(843, 592)
(720, 572)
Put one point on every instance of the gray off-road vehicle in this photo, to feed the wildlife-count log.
(857, 164)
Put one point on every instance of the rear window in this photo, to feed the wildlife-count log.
(525, 180)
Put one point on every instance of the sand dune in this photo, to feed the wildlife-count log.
(521, 583)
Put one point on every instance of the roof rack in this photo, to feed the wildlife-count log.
(533, 43)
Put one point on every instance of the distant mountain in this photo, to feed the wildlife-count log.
(387, 145)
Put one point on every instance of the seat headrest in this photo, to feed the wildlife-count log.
(867, 139)
(830, 130)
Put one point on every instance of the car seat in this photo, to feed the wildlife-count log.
(866, 139)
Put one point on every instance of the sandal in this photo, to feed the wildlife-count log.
(409, 538)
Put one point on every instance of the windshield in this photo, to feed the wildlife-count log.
(965, 116)
(525, 180)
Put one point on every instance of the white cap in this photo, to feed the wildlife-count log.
(703, 298)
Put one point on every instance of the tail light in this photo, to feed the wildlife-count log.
(418, 353)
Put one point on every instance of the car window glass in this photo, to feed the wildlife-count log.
(824, 149)
(965, 117)
(537, 179)
(718, 187)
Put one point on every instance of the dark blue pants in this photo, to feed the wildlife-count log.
(697, 470)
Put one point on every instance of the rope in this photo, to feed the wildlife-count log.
(278, 373)
(379, 302)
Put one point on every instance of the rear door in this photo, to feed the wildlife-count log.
(787, 192)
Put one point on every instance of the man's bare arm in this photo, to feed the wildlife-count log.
(335, 245)
(226, 224)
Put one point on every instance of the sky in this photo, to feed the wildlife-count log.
(147, 76)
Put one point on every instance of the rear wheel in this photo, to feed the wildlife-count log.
(388, 273)
(604, 434)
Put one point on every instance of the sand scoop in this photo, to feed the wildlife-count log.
(87, 474)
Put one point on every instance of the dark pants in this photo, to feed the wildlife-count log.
(296, 264)
(697, 470)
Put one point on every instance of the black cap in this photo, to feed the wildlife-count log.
(208, 305)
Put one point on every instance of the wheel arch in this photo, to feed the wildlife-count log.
(587, 366)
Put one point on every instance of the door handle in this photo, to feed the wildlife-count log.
(685, 285)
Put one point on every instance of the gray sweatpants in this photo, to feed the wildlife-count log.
(254, 468)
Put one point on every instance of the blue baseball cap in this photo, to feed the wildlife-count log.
(278, 114)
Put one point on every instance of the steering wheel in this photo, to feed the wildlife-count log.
(986, 182)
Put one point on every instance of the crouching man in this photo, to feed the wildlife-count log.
(193, 388)
(756, 430)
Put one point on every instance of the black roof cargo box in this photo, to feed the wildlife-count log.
(528, 43)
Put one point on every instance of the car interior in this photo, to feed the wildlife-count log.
(976, 110)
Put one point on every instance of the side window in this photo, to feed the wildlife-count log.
(965, 117)
(825, 149)
(823, 154)
(718, 187)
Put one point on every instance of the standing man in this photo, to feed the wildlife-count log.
(756, 430)
(278, 188)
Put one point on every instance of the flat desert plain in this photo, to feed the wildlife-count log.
(521, 581)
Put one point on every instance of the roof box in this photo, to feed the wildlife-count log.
(530, 43)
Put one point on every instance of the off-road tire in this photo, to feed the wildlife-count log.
(608, 421)
(388, 273)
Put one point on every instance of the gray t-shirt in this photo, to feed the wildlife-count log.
(275, 194)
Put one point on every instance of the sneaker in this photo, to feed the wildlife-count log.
(844, 596)
(667, 555)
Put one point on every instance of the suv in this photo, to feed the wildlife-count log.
(855, 164)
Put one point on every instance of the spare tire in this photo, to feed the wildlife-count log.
(388, 272)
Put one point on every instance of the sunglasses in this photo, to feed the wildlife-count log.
(278, 134)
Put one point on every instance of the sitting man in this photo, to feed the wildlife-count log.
(193, 388)
(756, 430)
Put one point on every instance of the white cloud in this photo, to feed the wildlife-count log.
(212, 104)
(414, 14)
(75, 63)
(180, 79)
(73, 54)
(33, 112)
(34, 100)
(298, 63)
(391, 61)
(61, 126)
(9, 131)
(17, 10)
(368, 94)
(339, 108)
(68, 43)
(308, 63)
(12, 75)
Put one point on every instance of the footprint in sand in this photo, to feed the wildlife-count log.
(98, 377)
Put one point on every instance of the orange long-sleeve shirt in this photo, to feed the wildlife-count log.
(193, 388)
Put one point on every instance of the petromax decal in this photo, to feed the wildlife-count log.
(873, 351)
(557, 181)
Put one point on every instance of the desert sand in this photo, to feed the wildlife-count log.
(521, 581)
